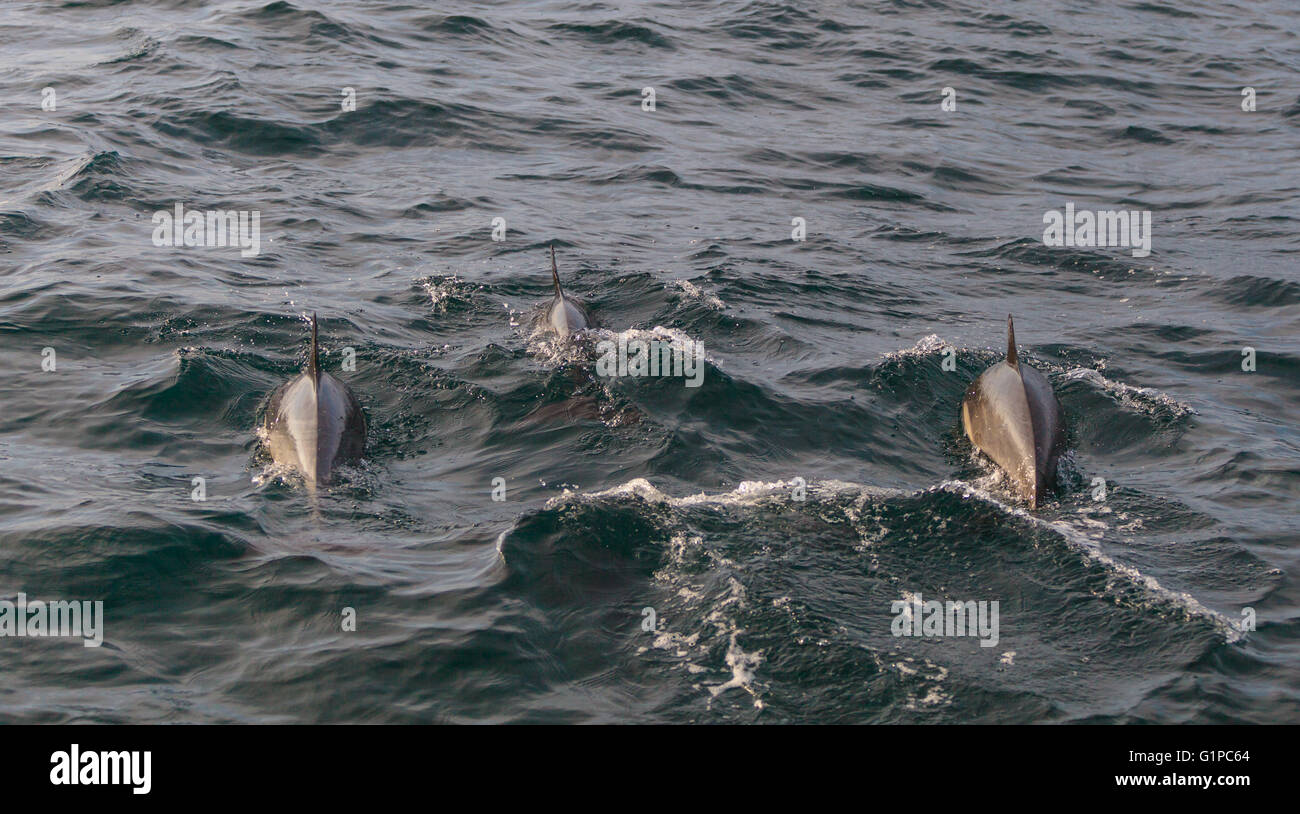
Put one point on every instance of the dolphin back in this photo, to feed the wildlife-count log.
(564, 315)
(996, 417)
(1049, 429)
(314, 422)
(1011, 415)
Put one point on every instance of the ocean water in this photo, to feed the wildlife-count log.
(727, 553)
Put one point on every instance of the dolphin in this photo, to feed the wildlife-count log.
(1011, 415)
(314, 422)
(565, 315)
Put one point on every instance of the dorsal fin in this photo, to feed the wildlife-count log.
(1011, 344)
(555, 274)
(313, 358)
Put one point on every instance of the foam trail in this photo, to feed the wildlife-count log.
(1088, 547)
(752, 493)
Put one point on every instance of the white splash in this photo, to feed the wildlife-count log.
(696, 293)
(925, 346)
(440, 290)
(1143, 399)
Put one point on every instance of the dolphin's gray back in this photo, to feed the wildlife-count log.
(1049, 430)
(996, 417)
(1011, 415)
(312, 426)
(567, 316)
(564, 315)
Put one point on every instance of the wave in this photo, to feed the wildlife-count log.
(739, 593)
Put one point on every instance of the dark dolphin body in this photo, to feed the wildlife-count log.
(1011, 415)
(565, 315)
(314, 422)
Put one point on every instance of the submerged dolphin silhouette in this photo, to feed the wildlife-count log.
(1011, 415)
(565, 315)
(314, 422)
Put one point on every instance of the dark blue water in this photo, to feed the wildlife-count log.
(825, 359)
